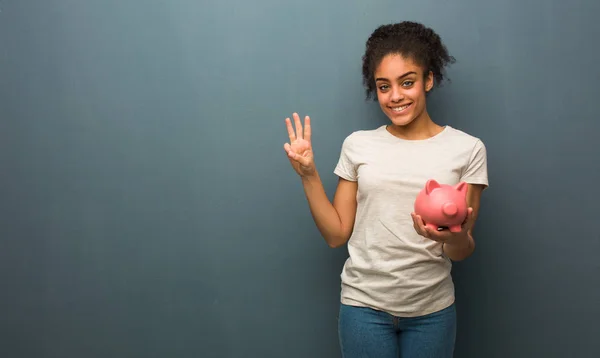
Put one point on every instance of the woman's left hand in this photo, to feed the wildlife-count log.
(445, 236)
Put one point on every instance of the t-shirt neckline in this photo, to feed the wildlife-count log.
(392, 137)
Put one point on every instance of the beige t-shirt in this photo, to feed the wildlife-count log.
(392, 268)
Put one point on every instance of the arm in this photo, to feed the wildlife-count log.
(334, 221)
(463, 246)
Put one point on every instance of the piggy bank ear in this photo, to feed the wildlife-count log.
(461, 187)
(430, 185)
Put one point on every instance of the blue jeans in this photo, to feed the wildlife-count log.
(365, 332)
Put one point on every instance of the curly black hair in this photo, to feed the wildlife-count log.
(409, 39)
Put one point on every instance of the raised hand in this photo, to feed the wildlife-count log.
(299, 149)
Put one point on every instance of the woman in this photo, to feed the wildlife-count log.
(397, 294)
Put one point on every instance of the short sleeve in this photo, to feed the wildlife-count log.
(345, 168)
(476, 169)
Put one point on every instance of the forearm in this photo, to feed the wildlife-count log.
(323, 212)
(460, 250)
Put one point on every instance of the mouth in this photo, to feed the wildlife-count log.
(400, 109)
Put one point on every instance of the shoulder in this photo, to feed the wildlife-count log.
(473, 154)
(460, 135)
(363, 136)
(354, 148)
(459, 138)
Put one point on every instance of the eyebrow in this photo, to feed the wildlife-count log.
(404, 75)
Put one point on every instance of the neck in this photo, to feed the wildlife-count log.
(422, 127)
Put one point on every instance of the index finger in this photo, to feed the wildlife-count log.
(307, 129)
(418, 224)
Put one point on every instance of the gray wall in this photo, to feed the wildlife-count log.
(148, 209)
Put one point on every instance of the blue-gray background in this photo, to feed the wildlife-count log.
(148, 208)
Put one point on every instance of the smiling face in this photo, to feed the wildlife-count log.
(401, 89)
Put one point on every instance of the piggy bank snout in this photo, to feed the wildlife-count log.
(450, 209)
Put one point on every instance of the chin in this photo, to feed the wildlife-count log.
(400, 120)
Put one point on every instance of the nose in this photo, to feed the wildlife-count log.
(397, 95)
(450, 209)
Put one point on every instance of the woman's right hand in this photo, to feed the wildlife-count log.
(299, 149)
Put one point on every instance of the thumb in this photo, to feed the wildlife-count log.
(468, 217)
(302, 160)
(287, 147)
(290, 152)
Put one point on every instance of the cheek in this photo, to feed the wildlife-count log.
(417, 94)
(382, 98)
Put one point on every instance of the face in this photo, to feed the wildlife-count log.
(401, 89)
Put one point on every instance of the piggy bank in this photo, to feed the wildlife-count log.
(442, 205)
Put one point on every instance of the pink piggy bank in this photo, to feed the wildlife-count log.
(442, 205)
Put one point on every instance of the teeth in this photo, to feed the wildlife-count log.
(399, 109)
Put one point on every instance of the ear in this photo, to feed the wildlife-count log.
(430, 185)
(462, 187)
(429, 81)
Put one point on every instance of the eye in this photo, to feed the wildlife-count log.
(383, 87)
(407, 83)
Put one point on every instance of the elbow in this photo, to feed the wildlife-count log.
(459, 258)
(337, 238)
(337, 242)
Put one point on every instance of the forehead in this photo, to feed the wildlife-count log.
(394, 65)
